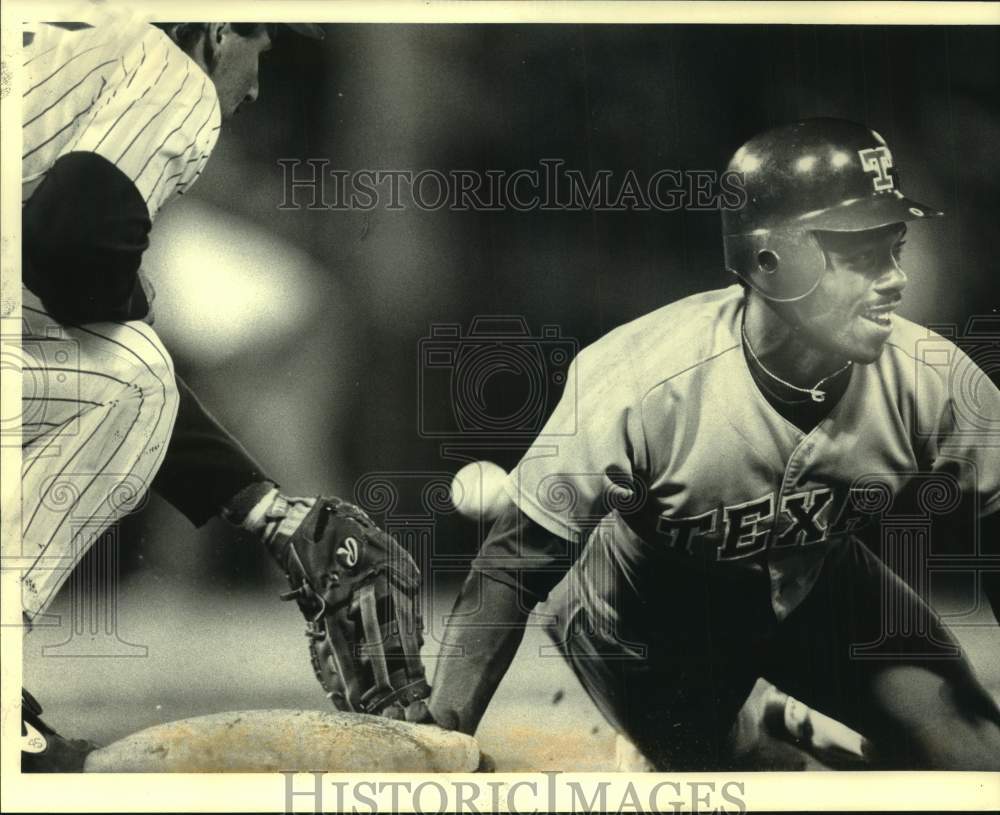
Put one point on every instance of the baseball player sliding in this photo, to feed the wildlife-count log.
(119, 116)
(706, 486)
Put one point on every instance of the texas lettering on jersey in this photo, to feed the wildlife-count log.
(749, 528)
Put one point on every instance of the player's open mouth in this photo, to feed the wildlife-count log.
(880, 315)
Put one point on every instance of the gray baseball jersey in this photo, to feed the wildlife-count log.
(663, 445)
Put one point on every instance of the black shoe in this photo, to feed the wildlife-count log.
(42, 749)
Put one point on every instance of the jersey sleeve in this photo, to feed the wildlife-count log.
(158, 124)
(959, 407)
(590, 457)
(524, 556)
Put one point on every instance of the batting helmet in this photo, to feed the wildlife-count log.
(818, 174)
(310, 30)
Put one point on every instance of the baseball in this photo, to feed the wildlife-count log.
(477, 490)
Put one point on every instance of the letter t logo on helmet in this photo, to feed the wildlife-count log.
(814, 175)
(878, 160)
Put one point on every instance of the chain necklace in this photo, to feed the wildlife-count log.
(814, 392)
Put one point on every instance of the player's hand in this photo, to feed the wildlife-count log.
(446, 720)
(359, 591)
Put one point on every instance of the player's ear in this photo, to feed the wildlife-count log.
(215, 33)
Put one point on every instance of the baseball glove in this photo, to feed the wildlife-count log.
(360, 593)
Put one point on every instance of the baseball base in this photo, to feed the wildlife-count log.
(297, 740)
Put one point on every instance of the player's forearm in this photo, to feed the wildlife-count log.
(205, 467)
(478, 647)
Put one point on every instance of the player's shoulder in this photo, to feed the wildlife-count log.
(934, 368)
(677, 338)
(103, 40)
(99, 31)
(915, 351)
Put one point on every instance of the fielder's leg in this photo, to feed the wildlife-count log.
(674, 692)
(99, 403)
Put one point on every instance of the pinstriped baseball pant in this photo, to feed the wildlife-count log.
(98, 406)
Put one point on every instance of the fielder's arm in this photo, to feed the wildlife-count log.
(206, 469)
(485, 641)
(518, 565)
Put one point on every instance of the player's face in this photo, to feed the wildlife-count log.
(236, 66)
(851, 312)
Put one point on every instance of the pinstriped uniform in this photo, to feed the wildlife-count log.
(133, 97)
(100, 400)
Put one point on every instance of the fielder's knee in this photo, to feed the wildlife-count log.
(135, 378)
(139, 358)
(147, 350)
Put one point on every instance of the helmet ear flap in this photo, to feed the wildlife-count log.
(782, 264)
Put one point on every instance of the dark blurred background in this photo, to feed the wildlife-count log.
(301, 328)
